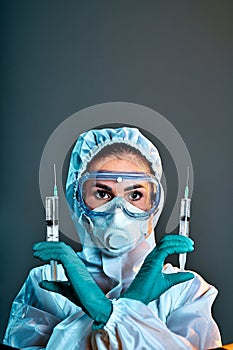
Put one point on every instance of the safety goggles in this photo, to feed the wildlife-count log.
(136, 193)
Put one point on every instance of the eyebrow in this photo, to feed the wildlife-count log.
(129, 188)
(105, 187)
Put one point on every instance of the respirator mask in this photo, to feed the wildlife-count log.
(117, 207)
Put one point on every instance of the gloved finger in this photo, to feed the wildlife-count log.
(47, 254)
(62, 287)
(52, 250)
(172, 239)
(167, 248)
(155, 260)
(162, 254)
(176, 278)
(51, 286)
(173, 236)
(176, 248)
(52, 245)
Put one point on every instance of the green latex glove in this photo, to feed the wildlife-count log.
(151, 282)
(81, 288)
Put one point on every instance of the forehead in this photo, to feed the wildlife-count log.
(123, 163)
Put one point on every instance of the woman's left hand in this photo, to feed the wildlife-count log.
(151, 282)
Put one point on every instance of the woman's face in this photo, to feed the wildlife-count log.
(137, 192)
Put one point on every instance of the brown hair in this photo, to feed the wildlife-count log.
(121, 151)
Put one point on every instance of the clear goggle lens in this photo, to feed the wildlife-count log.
(139, 191)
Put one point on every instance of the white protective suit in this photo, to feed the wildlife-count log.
(179, 319)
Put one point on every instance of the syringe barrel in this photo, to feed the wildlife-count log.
(51, 207)
(52, 218)
(185, 208)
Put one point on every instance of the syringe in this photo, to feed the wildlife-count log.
(184, 219)
(52, 221)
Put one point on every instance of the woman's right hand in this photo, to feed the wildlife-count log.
(80, 288)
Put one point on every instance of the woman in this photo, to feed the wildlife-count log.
(116, 293)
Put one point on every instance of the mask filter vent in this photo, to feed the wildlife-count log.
(117, 240)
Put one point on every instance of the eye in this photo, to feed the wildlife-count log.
(102, 194)
(135, 195)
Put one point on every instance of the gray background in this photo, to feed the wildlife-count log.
(175, 57)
